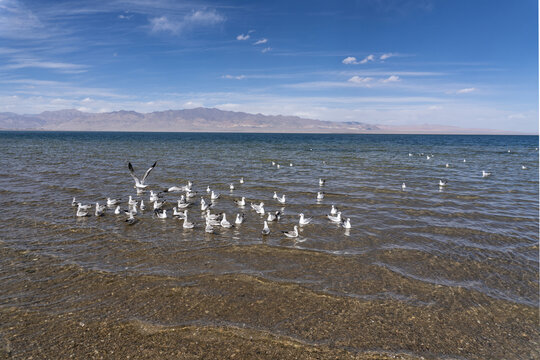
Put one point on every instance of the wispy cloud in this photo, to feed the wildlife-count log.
(261, 41)
(235, 77)
(242, 37)
(367, 59)
(391, 78)
(386, 56)
(466, 90)
(18, 22)
(360, 80)
(190, 21)
(33, 63)
(266, 49)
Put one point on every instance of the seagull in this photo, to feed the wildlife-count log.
(182, 200)
(190, 194)
(273, 163)
(208, 189)
(334, 210)
(322, 182)
(259, 209)
(224, 223)
(131, 201)
(241, 180)
(447, 165)
(320, 195)
(443, 182)
(211, 216)
(428, 157)
(277, 166)
(175, 189)
(142, 206)
(213, 222)
(231, 186)
(209, 229)
(139, 184)
(74, 202)
(281, 199)
(214, 196)
(336, 218)
(132, 209)
(239, 219)
(410, 154)
(100, 209)
(403, 186)
(183, 205)
(81, 212)
(464, 160)
(153, 196)
(181, 214)
(290, 164)
(274, 217)
(266, 229)
(158, 205)
(187, 224)
(275, 195)
(160, 214)
(291, 234)
(131, 219)
(303, 220)
(346, 224)
(112, 202)
(117, 210)
(80, 206)
(523, 167)
(241, 202)
(485, 174)
(204, 205)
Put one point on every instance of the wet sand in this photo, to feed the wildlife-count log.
(95, 314)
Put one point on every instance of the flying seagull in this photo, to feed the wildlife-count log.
(139, 184)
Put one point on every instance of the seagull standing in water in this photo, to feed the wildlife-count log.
(336, 218)
(322, 182)
(403, 186)
(266, 229)
(241, 202)
(346, 224)
(303, 220)
(81, 212)
(224, 222)
(274, 217)
(139, 184)
(74, 202)
(320, 195)
(443, 182)
(100, 209)
(259, 209)
(241, 180)
(334, 210)
(291, 234)
(112, 202)
(281, 199)
(239, 219)
(485, 173)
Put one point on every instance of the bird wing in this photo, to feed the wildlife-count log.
(148, 172)
(132, 172)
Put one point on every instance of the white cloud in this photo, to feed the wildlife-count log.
(125, 17)
(189, 21)
(21, 63)
(367, 58)
(465, 91)
(242, 37)
(262, 41)
(386, 56)
(391, 78)
(360, 80)
(18, 22)
(266, 49)
(350, 60)
(235, 77)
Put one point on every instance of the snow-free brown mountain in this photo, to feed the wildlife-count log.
(199, 119)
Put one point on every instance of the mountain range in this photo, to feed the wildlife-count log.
(205, 120)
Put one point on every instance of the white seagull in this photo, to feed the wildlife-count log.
(447, 165)
(241, 202)
(204, 205)
(214, 196)
(117, 210)
(131, 219)
(291, 234)
(112, 202)
(209, 229)
(336, 218)
(334, 210)
(485, 174)
(281, 199)
(346, 224)
(274, 217)
(239, 219)
(320, 195)
(266, 229)
(74, 202)
(275, 195)
(131, 201)
(187, 224)
(523, 167)
(241, 180)
(259, 209)
(443, 182)
(160, 215)
(81, 212)
(322, 182)
(403, 186)
(231, 186)
(158, 205)
(100, 209)
(208, 189)
(139, 184)
(153, 196)
(303, 220)
(224, 223)
(142, 206)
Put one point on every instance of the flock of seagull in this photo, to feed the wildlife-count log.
(180, 211)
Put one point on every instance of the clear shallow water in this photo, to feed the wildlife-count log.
(478, 235)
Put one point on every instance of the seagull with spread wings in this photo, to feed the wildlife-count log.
(139, 184)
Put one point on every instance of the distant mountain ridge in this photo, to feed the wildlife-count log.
(206, 120)
(198, 119)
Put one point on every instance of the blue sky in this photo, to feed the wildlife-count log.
(395, 62)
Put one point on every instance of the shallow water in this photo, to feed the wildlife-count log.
(427, 271)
